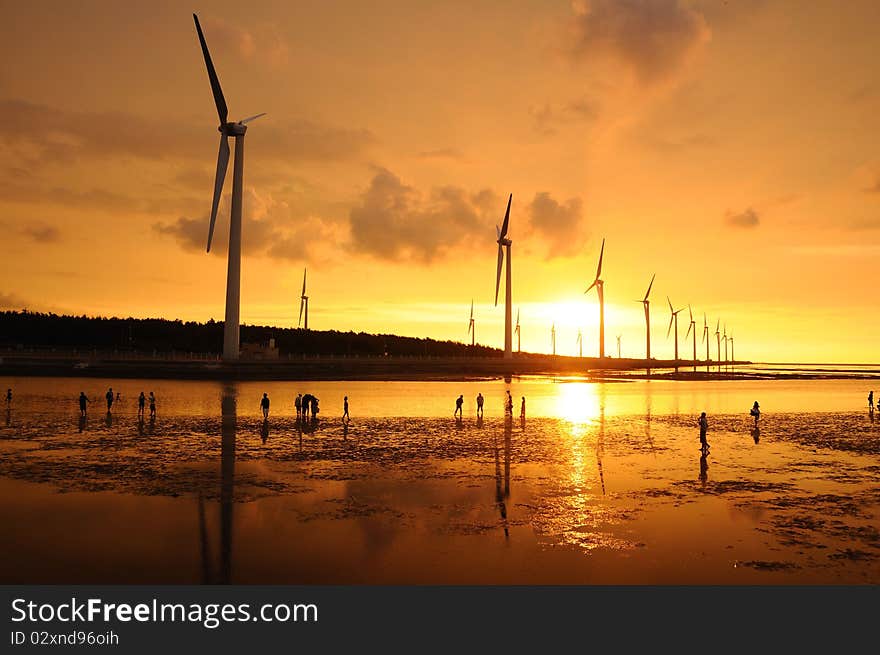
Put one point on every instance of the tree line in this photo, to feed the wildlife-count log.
(26, 329)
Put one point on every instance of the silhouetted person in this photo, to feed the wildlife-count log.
(142, 400)
(345, 415)
(9, 398)
(314, 405)
(152, 406)
(704, 427)
(480, 405)
(870, 399)
(118, 396)
(522, 408)
(109, 397)
(264, 430)
(756, 412)
(508, 408)
(298, 403)
(264, 405)
(83, 401)
(458, 403)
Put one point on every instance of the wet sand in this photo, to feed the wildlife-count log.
(602, 483)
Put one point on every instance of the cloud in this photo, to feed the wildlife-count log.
(559, 225)
(442, 153)
(548, 118)
(262, 43)
(652, 38)
(41, 134)
(42, 233)
(269, 228)
(396, 222)
(747, 219)
(12, 301)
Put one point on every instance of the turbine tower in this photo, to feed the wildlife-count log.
(732, 358)
(724, 339)
(303, 304)
(553, 337)
(504, 242)
(673, 318)
(600, 288)
(517, 331)
(471, 330)
(692, 326)
(233, 272)
(618, 346)
(647, 305)
(718, 340)
(580, 344)
(706, 339)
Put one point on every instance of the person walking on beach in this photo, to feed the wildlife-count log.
(522, 409)
(306, 404)
(480, 405)
(109, 396)
(314, 404)
(264, 405)
(870, 399)
(83, 400)
(152, 405)
(458, 403)
(756, 412)
(298, 403)
(704, 427)
(118, 396)
(9, 398)
(345, 416)
(509, 404)
(142, 400)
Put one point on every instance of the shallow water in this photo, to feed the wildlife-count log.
(602, 483)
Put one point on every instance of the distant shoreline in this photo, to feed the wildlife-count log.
(385, 368)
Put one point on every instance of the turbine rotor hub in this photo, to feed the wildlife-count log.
(233, 129)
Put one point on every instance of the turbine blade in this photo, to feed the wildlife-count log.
(498, 276)
(304, 282)
(670, 304)
(648, 292)
(591, 286)
(301, 303)
(690, 313)
(219, 100)
(506, 222)
(601, 254)
(243, 121)
(222, 163)
(669, 329)
(472, 310)
(517, 317)
(717, 325)
(688, 333)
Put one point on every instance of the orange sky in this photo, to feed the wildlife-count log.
(730, 147)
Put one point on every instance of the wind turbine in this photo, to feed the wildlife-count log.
(233, 271)
(303, 304)
(718, 340)
(647, 305)
(600, 288)
(732, 358)
(471, 330)
(580, 344)
(517, 331)
(692, 326)
(553, 337)
(724, 339)
(706, 339)
(618, 346)
(673, 317)
(504, 242)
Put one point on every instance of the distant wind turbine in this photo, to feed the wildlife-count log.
(303, 304)
(600, 288)
(231, 342)
(706, 339)
(692, 327)
(732, 358)
(580, 344)
(673, 318)
(553, 337)
(718, 340)
(471, 329)
(618, 346)
(647, 305)
(517, 331)
(504, 242)
(724, 339)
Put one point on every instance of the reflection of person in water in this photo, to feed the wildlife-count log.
(9, 398)
(704, 468)
(756, 434)
(264, 430)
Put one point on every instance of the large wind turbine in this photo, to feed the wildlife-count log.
(517, 331)
(233, 271)
(706, 339)
(647, 305)
(304, 303)
(692, 326)
(673, 318)
(600, 288)
(504, 242)
(471, 330)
